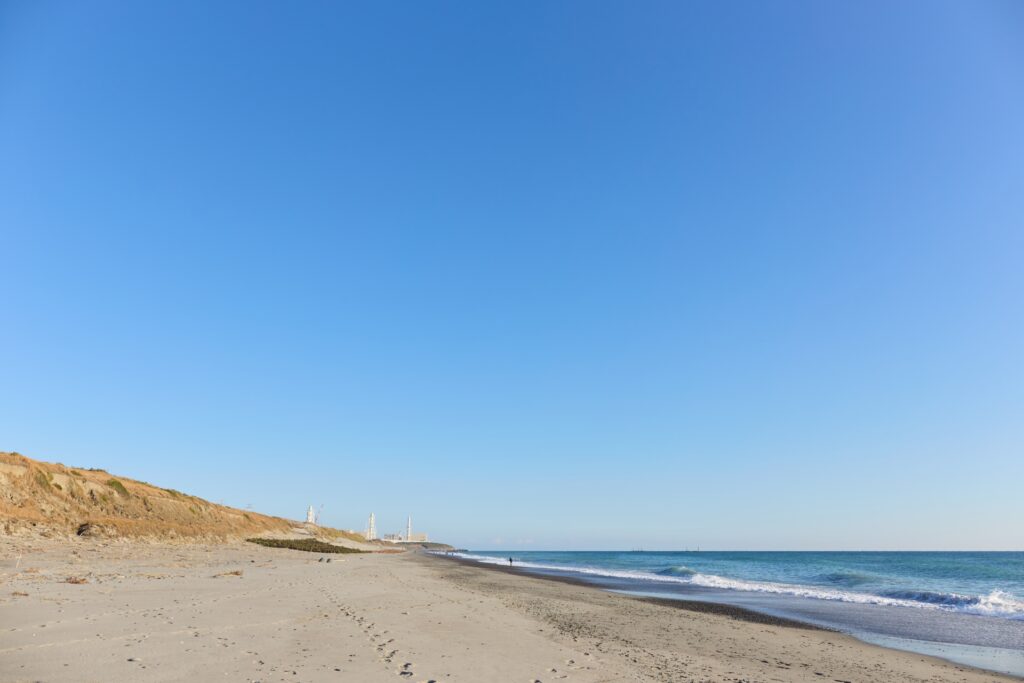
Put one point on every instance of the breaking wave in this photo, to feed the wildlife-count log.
(995, 604)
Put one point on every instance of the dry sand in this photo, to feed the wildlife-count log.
(247, 613)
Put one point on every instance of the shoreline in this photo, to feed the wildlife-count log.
(742, 614)
(699, 606)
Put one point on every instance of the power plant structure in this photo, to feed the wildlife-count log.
(313, 518)
(407, 537)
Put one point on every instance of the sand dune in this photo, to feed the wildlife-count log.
(50, 499)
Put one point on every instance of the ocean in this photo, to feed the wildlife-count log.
(963, 606)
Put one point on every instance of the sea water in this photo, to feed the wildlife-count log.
(963, 606)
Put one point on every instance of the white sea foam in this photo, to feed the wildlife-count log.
(996, 603)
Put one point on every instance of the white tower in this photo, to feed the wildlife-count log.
(310, 516)
(408, 529)
(371, 529)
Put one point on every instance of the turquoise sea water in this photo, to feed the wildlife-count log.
(965, 606)
(985, 583)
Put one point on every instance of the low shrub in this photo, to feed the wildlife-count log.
(307, 544)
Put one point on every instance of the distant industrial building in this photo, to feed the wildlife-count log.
(407, 537)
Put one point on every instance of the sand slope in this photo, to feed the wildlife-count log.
(51, 499)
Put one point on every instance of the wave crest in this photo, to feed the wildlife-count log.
(677, 571)
(846, 578)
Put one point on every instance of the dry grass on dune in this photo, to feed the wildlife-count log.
(53, 499)
(330, 535)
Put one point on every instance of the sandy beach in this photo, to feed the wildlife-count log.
(533, 342)
(108, 611)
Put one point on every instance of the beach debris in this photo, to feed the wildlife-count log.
(237, 572)
(93, 530)
(76, 580)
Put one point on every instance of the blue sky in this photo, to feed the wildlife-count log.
(547, 275)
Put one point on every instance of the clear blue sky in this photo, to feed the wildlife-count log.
(552, 275)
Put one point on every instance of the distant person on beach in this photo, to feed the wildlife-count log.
(510, 561)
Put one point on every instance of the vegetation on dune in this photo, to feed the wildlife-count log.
(307, 544)
(118, 486)
(327, 534)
